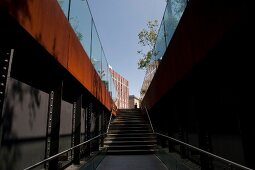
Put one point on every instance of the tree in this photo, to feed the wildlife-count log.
(147, 38)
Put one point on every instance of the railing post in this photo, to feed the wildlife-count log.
(102, 127)
(88, 125)
(77, 130)
(170, 143)
(149, 119)
(6, 56)
(183, 149)
(204, 142)
(95, 143)
(163, 142)
(53, 126)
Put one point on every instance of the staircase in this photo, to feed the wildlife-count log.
(130, 133)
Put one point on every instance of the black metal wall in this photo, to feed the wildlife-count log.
(212, 103)
(44, 109)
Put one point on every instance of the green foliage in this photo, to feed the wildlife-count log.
(79, 35)
(145, 60)
(147, 38)
(106, 84)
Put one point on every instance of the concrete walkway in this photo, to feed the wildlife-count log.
(131, 162)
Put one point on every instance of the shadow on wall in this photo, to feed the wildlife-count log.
(22, 95)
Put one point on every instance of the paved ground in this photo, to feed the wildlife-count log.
(131, 162)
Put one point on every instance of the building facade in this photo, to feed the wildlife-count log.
(134, 102)
(122, 89)
(150, 71)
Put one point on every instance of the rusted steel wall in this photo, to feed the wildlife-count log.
(201, 28)
(45, 21)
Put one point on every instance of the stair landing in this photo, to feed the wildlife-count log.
(131, 162)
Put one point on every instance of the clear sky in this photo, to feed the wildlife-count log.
(118, 23)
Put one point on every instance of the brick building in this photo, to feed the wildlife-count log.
(122, 89)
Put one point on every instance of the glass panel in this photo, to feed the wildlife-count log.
(113, 90)
(173, 160)
(177, 7)
(160, 46)
(82, 23)
(176, 156)
(105, 71)
(170, 23)
(94, 161)
(172, 15)
(64, 5)
(96, 53)
(80, 19)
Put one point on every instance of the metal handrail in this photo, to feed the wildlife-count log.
(198, 149)
(109, 123)
(149, 119)
(54, 156)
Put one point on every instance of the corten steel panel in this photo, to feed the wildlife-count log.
(78, 62)
(201, 28)
(45, 21)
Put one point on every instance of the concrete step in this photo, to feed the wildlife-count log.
(130, 138)
(131, 152)
(124, 131)
(128, 110)
(129, 119)
(131, 114)
(129, 142)
(128, 122)
(128, 127)
(130, 135)
(130, 147)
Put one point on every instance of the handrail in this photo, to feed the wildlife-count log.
(109, 123)
(149, 119)
(196, 148)
(205, 152)
(54, 156)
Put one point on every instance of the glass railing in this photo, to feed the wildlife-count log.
(178, 155)
(90, 162)
(79, 15)
(94, 161)
(172, 15)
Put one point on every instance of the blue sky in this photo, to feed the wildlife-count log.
(118, 23)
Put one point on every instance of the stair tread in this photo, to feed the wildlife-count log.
(132, 137)
(131, 127)
(137, 150)
(130, 132)
(132, 141)
(127, 146)
(115, 124)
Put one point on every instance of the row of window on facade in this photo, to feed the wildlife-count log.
(124, 100)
